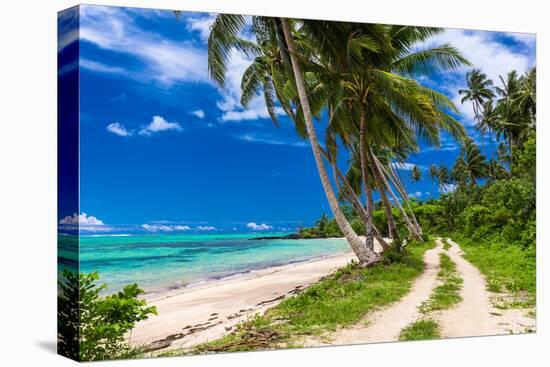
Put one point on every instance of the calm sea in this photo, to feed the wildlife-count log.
(161, 262)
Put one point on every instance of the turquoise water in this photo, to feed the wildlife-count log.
(163, 262)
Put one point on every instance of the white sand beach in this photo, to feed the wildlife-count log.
(206, 312)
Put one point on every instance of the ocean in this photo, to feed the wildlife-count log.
(165, 262)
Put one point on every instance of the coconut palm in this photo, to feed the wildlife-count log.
(527, 93)
(433, 173)
(416, 174)
(443, 177)
(282, 72)
(473, 162)
(312, 71)
(478, 92)
(375, 101)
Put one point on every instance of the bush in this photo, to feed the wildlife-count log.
(91, 327)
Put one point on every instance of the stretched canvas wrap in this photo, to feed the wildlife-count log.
(238, 183)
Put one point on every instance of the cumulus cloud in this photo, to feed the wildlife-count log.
(405, 166)
(447, 188)
(159, 124)
(206, 228)
(162, 60)
(198, 113)
(417, 194)
(164, 227)
(258, 227)
(118, 129)
(81, 219)
(230, 104)
(201, 24)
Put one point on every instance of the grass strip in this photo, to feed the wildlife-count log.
(446, 295)
(339, 300)
(421, 330)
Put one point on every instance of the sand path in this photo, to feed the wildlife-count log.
(476, 314)
(473, 315)
(385, 324)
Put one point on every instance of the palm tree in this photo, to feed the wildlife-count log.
(416, 174)
(479, 91)
(473, 162)
(527, 93)
(284, 71)
(443, 177)
(322, 223)
(365, 254)
(375, 101)
(311, 71)
(433, 173)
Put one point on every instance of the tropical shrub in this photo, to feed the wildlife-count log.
(92, 327)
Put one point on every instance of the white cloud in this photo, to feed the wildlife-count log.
(118, 129)
(230, 104)
(528, 39)
(102, 68)
(159, 124)
(252, 138)
(405, 166)
(164, 228)
(198, 113)
(165, 61)
(485, 52)
(447, 188)
(259, 227)
(202, 25)
(82, 219)
(68, 28)
(206, 228)
(417, 194)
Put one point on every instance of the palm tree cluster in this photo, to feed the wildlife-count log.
(359, 79)
(508, 111)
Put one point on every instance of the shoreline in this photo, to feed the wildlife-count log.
(204, 312)
(167, 290)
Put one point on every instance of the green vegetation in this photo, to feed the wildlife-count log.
(446, 244)
(339, 300)
(93, 328)
(446, 295)
(421, 330)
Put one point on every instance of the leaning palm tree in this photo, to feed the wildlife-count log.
(287, 74)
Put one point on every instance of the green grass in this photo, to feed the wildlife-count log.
(445, 295)
(339, 300)
(506, 267)
(446, 244)
(421, 330)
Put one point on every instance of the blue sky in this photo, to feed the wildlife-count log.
(163, 149)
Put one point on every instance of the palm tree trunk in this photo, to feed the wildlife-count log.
(404, 214)
(365, 255)
(357, 207)
(405, 197)
(365, 176)
(392, 227)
